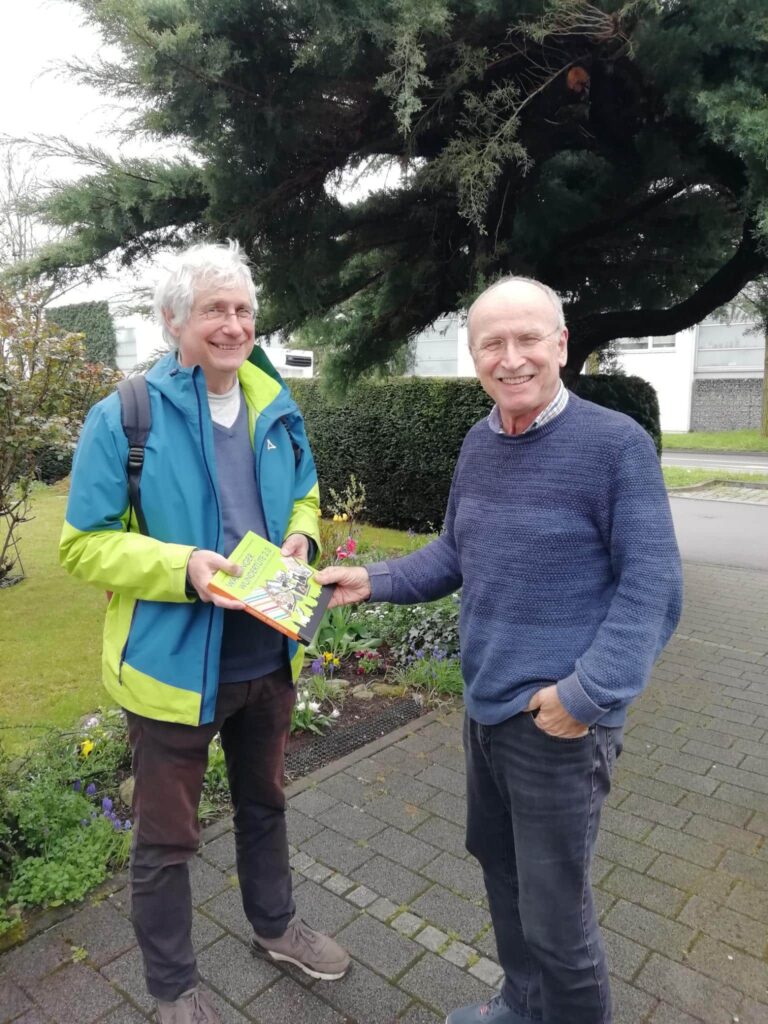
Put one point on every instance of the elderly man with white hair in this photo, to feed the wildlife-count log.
(226, 453)
(559, 533)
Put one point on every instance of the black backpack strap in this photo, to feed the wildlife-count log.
(136, 420)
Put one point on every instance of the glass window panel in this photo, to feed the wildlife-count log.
(736, 359)
(631, 344)
(663, 341)
(728, 336)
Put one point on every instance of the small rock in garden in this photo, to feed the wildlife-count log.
(388, 690)
(362, 692)
(341, 683)
(125, 791)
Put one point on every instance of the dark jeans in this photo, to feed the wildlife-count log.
(169, 762)
(533, 810)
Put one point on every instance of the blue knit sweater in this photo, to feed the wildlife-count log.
(562, 542)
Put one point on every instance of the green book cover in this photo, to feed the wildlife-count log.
(277, 589)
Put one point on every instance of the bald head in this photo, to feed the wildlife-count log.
(513, 288)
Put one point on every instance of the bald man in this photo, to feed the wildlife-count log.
(559, 533)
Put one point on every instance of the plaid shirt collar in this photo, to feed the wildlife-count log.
(554, 409)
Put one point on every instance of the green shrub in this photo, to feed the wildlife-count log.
(53, 462)
(401, 437)
(94, 320)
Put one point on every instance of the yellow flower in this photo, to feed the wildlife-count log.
(336, 662)
(86, 747)
(344, 518)
(327, 657)
(336, 517)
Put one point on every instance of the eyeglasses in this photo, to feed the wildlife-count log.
(523, 343)
(220, 313)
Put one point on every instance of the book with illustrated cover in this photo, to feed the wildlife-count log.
(277, 589)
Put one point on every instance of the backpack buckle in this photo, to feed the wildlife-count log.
(135, 457)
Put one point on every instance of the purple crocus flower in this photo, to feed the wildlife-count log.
(77, 785)
(90, 789)
(106, 805)
(127, 825)
(317, 667)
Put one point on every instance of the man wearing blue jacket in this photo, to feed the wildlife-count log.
(559, 533)
(227, 452)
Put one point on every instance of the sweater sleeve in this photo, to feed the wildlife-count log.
(647, 599)
(425, 575)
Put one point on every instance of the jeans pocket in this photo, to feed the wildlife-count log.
(554, 739)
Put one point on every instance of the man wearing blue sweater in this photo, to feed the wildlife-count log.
(559, 533)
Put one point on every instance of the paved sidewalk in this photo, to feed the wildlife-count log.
(682, 871)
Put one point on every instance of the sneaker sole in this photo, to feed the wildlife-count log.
(267, 954)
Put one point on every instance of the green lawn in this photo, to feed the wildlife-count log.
(724, 441)
(50, 625)
(674, 476)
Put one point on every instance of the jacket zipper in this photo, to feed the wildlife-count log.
(125, 645)
(218, 520)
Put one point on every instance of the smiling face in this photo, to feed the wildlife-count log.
(518, 349)
(218, 335)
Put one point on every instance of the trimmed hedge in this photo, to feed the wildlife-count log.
(401, 437)
(94, 320)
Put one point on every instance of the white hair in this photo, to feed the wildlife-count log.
(207, 265)
(551, 294)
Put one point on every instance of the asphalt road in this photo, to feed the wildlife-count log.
(721, 532)
(752, 462)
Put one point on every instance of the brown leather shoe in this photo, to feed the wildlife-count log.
(316, 954)
(193, 1007)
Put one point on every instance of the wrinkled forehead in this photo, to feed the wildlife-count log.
(207, 294)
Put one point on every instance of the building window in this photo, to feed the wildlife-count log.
(730, 347)
(660, 343)
(125, 347)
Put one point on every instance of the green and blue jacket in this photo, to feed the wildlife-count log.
(161, 650)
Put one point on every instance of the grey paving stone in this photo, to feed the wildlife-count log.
(443, 986)
(221, 852)
(350, 821)
(600, 868)
(725, 924)
(344, 786)
(714, 755)
(724, 835)
(716, 809)
(624, 851)
(450, 754)
(648, 892)
(487, 971)
(450, 912)
(443, 778)
(630, 826)
(322, 910)
(13, 1000)
(740, 777)
(300, 826)
(630, 1004)
(76, 995)
(706, 784)
(458, 953)
(690, 877)
(655, 811)
(625, 957)
(311, 802)
(419, 743)
(317, 872)
(382, 909)
(32, 1017)
(417, 1014)
(403, 848)
(226, 910)
(336, 851)
(36, 958)
(204, 931)
(407, 923)
(746, 899)
(378, 946)
(363, 996)
(678, 985)
(384, 876)
(666, 1014)
(741, 797)
(487, 944)
(653, 787)
(681, 760)
(300, 860)
(648, 929)
(396, 811)
(225, 1010)
(446, 805)
(338, 884)
(229, 967)
(731, 967)
(431, 938)
(748, 869)
(127, 974)
(101, 930)
(666, 840)
(206, 880)
(125, 1014)
(361, 896)
(442, 833)
(462, 876)
(288, 1003)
